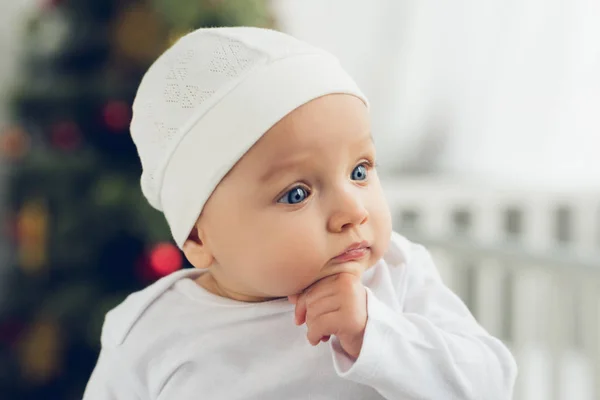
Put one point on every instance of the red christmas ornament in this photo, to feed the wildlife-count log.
(66, 136)
(165, 258)
(117, 115)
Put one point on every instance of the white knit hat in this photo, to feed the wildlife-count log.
(208, 99)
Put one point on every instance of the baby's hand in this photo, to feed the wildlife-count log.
(336, 305)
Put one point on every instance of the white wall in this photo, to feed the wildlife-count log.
(526, 90)
(511, 87)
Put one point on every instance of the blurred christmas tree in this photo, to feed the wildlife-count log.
(82, 234)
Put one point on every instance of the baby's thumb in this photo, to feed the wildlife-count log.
(293, 298)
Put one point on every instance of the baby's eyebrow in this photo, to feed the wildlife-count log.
(281, 166)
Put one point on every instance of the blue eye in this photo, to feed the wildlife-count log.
(294, 196)
(359, 173)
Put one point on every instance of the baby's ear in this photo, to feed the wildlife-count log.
(196, 251)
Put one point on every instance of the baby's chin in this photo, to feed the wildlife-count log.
(353, 267)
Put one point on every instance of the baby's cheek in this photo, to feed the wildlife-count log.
(381, 222)
(291, 251)
(290, 275)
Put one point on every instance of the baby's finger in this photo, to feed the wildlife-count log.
(300, 311)
(323, 306)
(318, 293)
(323, 326)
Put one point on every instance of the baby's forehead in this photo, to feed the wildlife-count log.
(297, 143)
(332, 118)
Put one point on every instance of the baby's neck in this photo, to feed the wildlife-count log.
(207, 281)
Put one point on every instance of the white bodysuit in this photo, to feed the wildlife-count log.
(176, 341)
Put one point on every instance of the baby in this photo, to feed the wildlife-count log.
(257, 148)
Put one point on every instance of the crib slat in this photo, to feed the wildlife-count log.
(591, 331)
(524, 262)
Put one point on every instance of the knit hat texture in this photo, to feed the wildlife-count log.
(205, 101)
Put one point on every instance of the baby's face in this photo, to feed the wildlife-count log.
(300, 196)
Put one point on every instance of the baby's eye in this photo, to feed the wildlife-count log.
(294, 196)
(359, 173)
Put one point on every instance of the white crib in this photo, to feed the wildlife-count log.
(527, 263)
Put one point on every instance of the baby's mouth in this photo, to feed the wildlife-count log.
(352, 255)
(354, 252)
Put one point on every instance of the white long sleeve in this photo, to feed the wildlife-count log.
(430, 349)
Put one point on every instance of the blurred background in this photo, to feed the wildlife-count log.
(486, 116)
